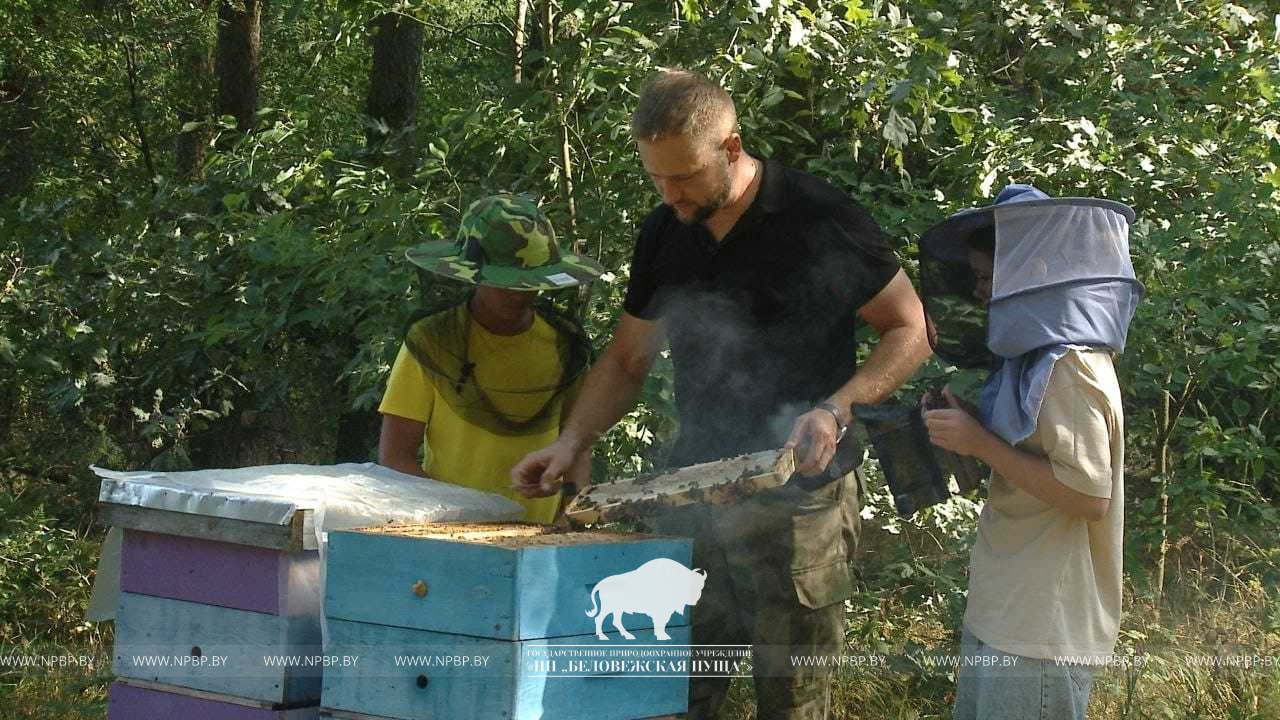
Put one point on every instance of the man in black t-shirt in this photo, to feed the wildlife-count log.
(756, 275)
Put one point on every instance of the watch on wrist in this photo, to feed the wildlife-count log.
(841, 426)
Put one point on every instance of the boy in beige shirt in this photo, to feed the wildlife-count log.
(1045, 573)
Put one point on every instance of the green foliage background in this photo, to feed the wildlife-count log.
(146, 322)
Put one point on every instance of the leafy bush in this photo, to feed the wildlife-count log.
(148, 321)
(45, 577)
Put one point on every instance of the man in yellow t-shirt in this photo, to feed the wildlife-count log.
(486, 381)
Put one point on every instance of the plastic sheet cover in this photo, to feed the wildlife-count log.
(342, 496)
(339, 496)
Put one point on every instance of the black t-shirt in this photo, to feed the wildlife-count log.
(761, 324)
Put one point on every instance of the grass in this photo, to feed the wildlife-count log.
(58, 693)
(1222, 600)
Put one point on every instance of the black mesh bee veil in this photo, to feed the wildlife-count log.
(440, 338)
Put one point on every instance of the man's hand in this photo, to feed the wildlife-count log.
(815, 433)
(955, 429)
(541, 472)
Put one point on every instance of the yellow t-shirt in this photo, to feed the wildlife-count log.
(1043, 584)
(462, 453)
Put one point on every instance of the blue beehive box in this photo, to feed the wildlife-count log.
(510, 621)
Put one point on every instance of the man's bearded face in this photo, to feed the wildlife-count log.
(691, 175)
(718, 196)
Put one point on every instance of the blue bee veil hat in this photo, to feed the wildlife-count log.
(1061, 278)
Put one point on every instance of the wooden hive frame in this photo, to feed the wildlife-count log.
(718, 482)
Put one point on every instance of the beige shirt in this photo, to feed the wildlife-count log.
(1043, 584)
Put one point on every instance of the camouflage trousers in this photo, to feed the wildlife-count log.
(778, 572)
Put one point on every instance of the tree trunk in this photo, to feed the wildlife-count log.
(1168, 423)
(546, 19)
(20, 96)
(535, 40)
(392, 101)
(394, 79)
(194, 102)
(239, 41)
(551, 80)
(566, 175)
(357, 436)
(522, 13)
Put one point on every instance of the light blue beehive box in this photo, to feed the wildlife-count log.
(510, 599)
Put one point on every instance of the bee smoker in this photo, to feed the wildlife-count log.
(915, 469)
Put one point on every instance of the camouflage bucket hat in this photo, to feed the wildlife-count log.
(505, 241)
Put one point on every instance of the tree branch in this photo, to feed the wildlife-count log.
(136, 106)
(16, 262)
(458, 33)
